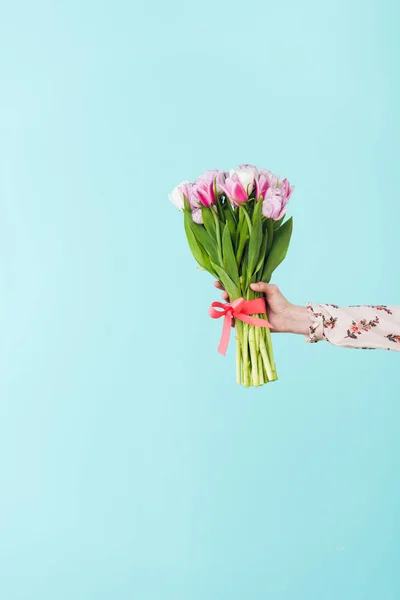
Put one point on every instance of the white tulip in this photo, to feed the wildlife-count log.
(246, 174)
(177, 194)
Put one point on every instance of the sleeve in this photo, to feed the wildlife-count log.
(364, 327)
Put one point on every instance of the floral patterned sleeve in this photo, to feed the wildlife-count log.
(364, 327)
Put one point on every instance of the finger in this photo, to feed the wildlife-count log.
(218, 285)
(225, 296)
(269, 289)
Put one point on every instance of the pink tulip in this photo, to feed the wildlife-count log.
(214, 175)
(262, 184)
(266, 173)
(272, 179)
(234, 190)
(204, 192)
(287, 188)
(274, 204)
(210, 175)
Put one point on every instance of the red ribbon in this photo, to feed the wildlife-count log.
(239, 309)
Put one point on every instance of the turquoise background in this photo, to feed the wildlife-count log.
(131, 466)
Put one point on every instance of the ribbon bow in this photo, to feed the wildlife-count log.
(238, 309)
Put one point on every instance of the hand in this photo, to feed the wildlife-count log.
(283, 316)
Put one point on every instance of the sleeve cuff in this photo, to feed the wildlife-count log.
(317, 318)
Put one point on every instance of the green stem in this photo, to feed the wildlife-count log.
(253, 355)
(264, 354)
(260, 370)
(218, 233)
(270, 350)
(239, 350)
(258, 333)
(238, 359)
(270, 232)
(245, 351)
(247, 219)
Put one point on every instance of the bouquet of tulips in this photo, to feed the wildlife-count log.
(236, 229)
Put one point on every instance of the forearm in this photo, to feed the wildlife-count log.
(351, 327)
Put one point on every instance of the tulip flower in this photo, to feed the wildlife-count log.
(267, 180)
(215, 175)
(204, 191)
(246, 175)
(287, 188)
(178, 193)
(262, 184)
(234, 190)
(274, 204)
(197, 215)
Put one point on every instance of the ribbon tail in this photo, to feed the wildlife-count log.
(253, 321)
(226, 331)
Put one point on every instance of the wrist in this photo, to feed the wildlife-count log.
(297, 320)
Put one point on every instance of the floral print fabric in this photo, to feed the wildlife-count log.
(363, 327)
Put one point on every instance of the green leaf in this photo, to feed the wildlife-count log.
(199, 253)
(243, 233)
(232, 290)
(205, 240)
(187, 206)
(209, 222)
(279, 249)
(229, 259)
(257, 212)
(231, 222)
(277, 224)
(243, 278)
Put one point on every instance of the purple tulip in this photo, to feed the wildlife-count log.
(273, 180)
(274, 204)
(210, 175)
(197, 216)
(267, 180)
(234, 190)
(266, 173)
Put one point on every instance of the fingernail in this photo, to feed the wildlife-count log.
(253, 285)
